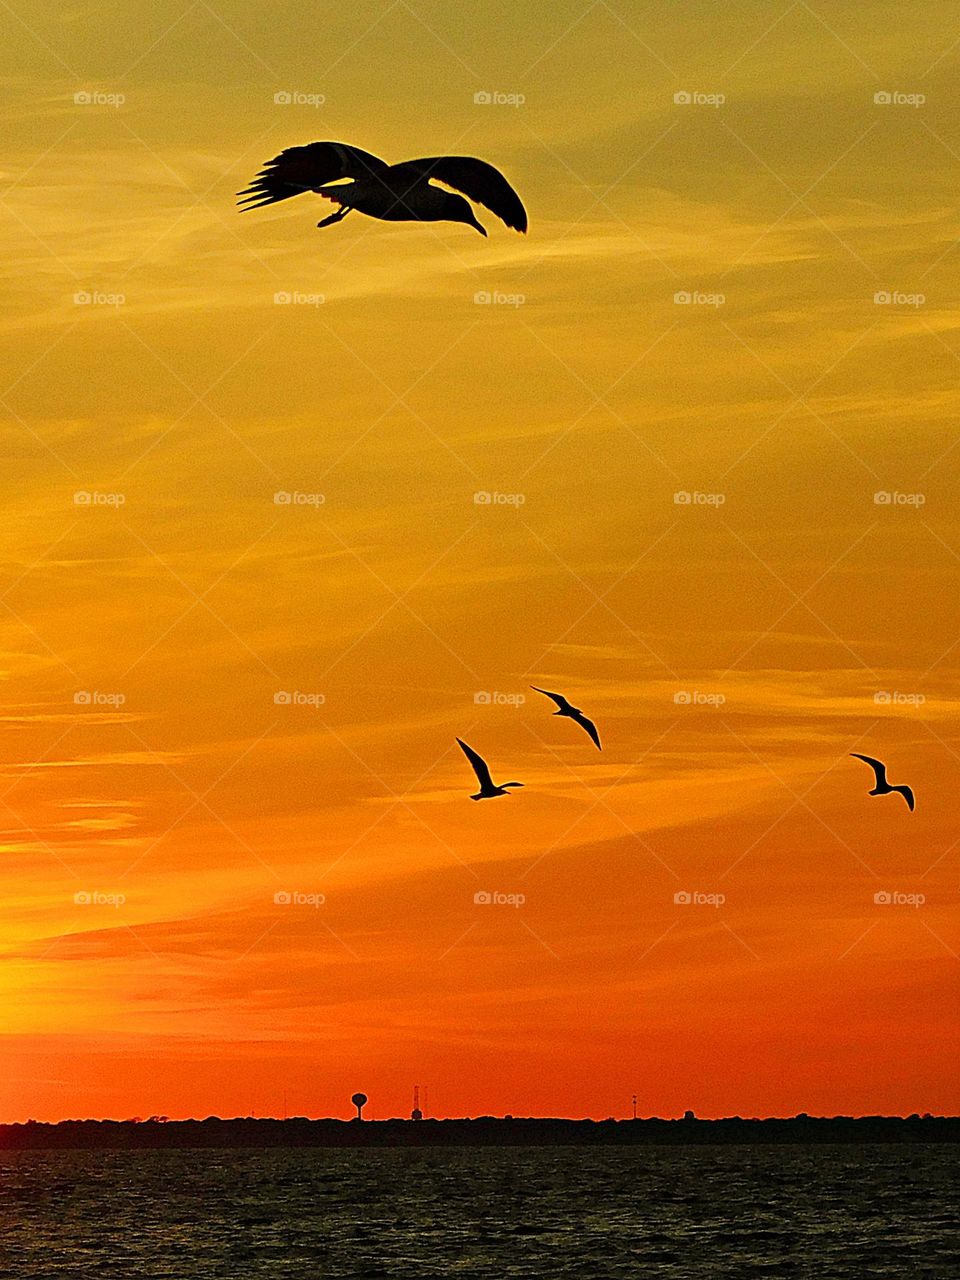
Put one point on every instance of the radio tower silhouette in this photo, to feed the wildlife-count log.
(416, 1113)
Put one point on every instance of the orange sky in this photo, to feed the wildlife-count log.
(147, 763)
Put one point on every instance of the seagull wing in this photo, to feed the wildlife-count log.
(878, 767)
(479, 765)
(300, 169)
(474, 178)
(585, 723)
(907, 793)
(558, 698)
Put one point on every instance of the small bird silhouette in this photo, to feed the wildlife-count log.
(572, 713)
(394, 193)
(883, 787)
(488, 788)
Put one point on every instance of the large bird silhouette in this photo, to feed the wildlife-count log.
(404, 192)
(883, 787)
(572, 713)
(488, 788)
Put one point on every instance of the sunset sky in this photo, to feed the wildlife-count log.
(157, 795)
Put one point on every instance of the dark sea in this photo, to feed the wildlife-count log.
(671, 1212)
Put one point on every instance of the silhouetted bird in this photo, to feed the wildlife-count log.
(572, 713)
(488, 788)
(883, 787)
(393, 192)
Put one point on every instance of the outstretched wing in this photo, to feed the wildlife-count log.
(878, 767)
(479, 765)
(558, 698)
(474, 178)
(300, 169)
(907, 793)
(590, 727)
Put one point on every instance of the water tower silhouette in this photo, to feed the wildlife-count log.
(359, 1100)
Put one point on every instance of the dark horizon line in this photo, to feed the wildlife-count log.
(253, 1134)
(506, 1118)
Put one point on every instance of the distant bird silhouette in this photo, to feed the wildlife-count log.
(394, 193)
(572, 713)
(488, 788)
(883, 787)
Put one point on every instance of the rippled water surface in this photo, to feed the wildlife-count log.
(670, 1212)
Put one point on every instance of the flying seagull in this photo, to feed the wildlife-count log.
(488, 788)
(403, 192)
(572, 713)
(883, 787)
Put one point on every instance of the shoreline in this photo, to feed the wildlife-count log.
(266, 1134)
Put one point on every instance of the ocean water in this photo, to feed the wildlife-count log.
(669, 1212)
